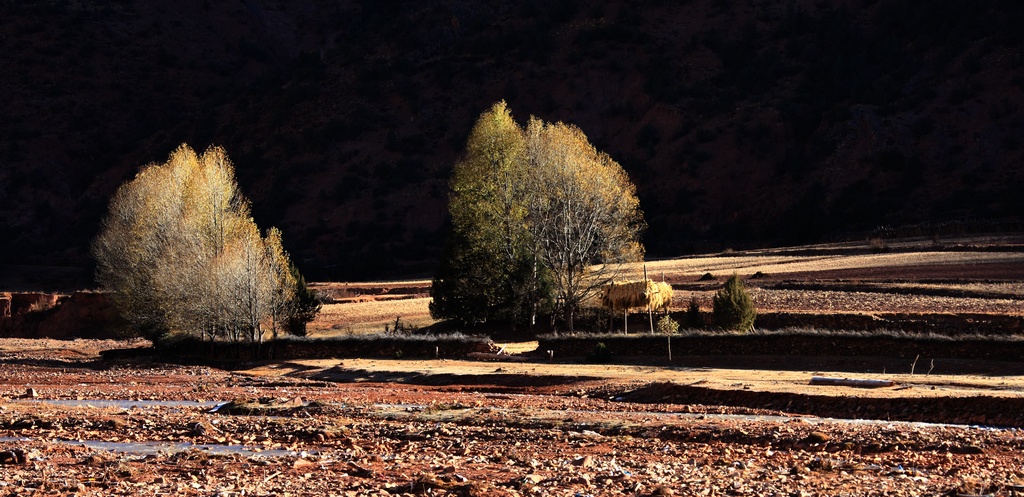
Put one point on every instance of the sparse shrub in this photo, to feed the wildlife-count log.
(400, 328)
(733, 308)
(324, 297)
(667, 325)
(693, 317)
(600, 354)
(302, 306)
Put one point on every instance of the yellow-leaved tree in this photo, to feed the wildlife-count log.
(489, 271)
(583, 211)
(538, 217)
(181, 253)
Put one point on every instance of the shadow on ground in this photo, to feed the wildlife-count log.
(343, 375)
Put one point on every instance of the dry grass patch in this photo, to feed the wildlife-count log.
(369, 317)
(517, 347)
(745, 265)
(901, 282)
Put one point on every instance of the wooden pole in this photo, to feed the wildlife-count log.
(650, 313)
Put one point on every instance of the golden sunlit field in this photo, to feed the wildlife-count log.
(969, 275)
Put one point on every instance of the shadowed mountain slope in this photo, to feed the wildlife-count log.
(742, 124)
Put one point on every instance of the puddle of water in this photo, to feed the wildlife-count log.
(403, 407)
(154, 448)
(127, 404)
(167, 448)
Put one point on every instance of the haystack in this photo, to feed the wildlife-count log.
(625, 295)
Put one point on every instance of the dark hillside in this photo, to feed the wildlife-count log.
(742, 123)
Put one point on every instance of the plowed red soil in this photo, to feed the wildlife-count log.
(704, 426)
(460, 428)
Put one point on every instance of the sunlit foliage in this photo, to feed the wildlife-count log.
(182, 254)
(538, 214)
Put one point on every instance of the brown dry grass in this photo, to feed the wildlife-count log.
(746, 265)
(369, 317)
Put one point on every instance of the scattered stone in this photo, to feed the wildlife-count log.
(584, 462)
(13, 457)
(969, 449)
(97, 460)
(357, 470)
(303, 464)
(817, 437)
(203, 429)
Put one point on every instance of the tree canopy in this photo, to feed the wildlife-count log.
(538, 215)
(489, 270)
(181, 253)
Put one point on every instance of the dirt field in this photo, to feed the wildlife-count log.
(978, 275)
(374, 427)
(72, 424)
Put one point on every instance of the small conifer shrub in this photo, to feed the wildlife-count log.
(733, 308)
(693, 318)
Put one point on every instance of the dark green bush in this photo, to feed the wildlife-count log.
(693, 318)
(733, 308)
(600, 354)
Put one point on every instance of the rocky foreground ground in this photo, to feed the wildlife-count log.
(284, 435)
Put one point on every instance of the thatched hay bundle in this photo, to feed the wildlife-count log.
(623, 295)
(620, 295)
(660, 296)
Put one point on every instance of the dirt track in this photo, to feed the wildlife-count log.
(438, 433)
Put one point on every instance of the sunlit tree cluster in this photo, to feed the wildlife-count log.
(182, 254)
(538, 217)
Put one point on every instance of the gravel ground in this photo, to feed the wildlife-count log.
(310, 437)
